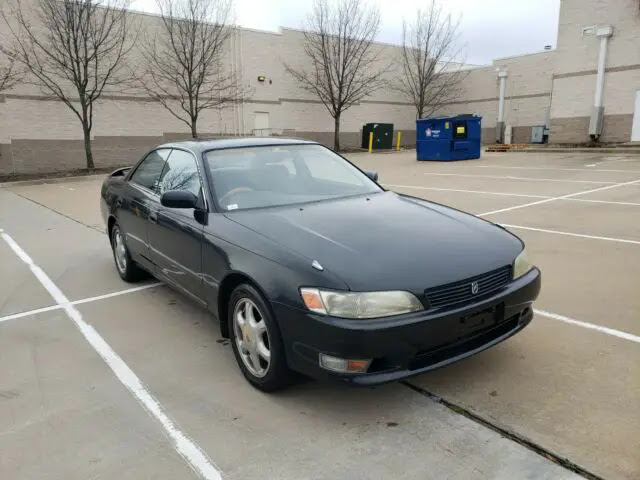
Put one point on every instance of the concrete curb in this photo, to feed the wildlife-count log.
(41, 181)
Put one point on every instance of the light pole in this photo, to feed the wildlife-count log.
(597, 112)
(502, 76)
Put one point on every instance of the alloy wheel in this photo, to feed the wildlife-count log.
(120, 251)
(252, 337)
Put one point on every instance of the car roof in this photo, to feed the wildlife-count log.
(235, 142)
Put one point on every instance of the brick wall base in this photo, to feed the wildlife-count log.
(518, 135)
(521, 134)
(617, 129)
(489, 135)
(23, 156)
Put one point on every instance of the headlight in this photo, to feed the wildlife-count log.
(359, 304)
(521, 265)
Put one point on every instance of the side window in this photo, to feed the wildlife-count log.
(148, 172)
(180, 173)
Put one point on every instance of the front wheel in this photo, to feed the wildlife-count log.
(128, 270)
(256, 340)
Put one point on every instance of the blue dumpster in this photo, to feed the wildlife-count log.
(448, 138)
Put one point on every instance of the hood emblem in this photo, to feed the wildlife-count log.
(474, 288)
(316, 264)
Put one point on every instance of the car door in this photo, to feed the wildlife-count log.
(139, 204)
(175, 236)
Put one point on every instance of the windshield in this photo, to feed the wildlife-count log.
(282, 175)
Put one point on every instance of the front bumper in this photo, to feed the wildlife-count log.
(406, 345)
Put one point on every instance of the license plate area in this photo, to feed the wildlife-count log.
(483, 319)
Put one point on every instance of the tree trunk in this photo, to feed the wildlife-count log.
(194, 128)
(87, 145)
(336, 134)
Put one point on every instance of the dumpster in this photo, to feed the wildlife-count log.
(382, 135)
(448, 138)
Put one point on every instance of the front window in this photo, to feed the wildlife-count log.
(283, 175)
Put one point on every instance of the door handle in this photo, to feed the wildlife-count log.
(153, 217)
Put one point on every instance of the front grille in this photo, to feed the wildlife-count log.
(460, 293)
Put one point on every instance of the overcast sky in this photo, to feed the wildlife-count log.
(489, 28)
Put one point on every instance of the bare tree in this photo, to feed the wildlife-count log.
(9, 74)
(73, 49)
(430, 66)
(185, 59)
(345, 63)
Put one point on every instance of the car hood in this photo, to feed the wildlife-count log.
(386, 241)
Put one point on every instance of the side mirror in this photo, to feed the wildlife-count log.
(372, 175)
(178, 199)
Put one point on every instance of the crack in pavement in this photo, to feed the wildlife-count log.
(92, 227)
(513, 436)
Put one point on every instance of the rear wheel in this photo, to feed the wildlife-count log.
(128, 270)
(256, 340)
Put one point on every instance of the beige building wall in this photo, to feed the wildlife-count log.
(299, 112)
(576, 65)
(38, 133)
(527, 94)
(556, 88)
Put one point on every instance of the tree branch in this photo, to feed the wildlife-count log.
(430, 63)
(185, 60)
(10, 74)
(73, 49)
(343, 61)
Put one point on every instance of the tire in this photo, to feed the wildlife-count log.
(128, 270)
(259, 334)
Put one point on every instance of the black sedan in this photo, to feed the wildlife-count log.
(311, 266)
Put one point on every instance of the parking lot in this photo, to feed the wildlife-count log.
(103, 379)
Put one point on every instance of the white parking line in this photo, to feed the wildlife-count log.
(509, 177)
(571, 234)
(29, 313)
(615, 160)
(561, 197)
(117, 294)
(78, 302)
(591, 326)
(562, 169)
(191, 452)
(610, 202)
(482, 192)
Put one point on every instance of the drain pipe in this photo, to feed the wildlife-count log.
(597, 113)
(502, 75)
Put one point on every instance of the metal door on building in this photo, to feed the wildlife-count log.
(635, 128)
(261, 124)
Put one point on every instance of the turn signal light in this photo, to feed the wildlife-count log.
(312, 300)
(343, 365)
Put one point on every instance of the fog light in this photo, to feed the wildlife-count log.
(343, 365)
